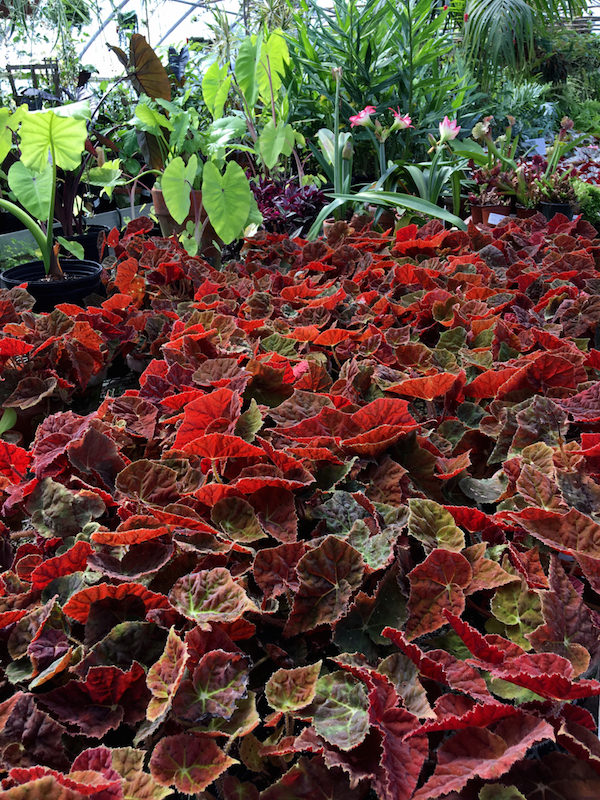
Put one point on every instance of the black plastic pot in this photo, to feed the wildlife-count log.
(83, 280)
(549, 210)
(91, 240)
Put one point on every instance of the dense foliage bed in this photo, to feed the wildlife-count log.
(342, 540)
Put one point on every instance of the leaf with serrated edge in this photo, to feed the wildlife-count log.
(329, 574)
(479, 753)
(292, 689)
(433, 526)
(188, 762)
(438, 583)
(210, 596)
(216, 684)
(165, 675)
(341, 710)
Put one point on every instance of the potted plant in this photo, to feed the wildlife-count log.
(553, 190)
(48, 141)
(556, 194)
(492, 169)
(202, 199)
(491, 195)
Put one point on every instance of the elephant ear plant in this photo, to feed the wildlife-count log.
(48, 140)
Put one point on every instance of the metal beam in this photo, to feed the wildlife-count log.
(101, 28)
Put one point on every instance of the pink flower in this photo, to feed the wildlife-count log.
(448, 130)
(401, 122)
(466, 17)
(363, 117)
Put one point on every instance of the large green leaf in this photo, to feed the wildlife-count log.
(5, 134)
(32, 189)
(150, 120)
(275, 140)
(79, 110)
(44, 134)
(274, 57)
(176, 183)
(390, 199)
(108, 175)
(74, 248)
(215, 88)
(246, 67)
(227, 199)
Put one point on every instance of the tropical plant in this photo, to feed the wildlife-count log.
(390, 54)
(502, 33)
(48, 141)
(428, 185)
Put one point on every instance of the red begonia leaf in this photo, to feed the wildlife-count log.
(199, 414)
(276, 512)
(546, 371)
(8, 617)
(222, 445)
(44, 788)
(73, 560)
(438, 583)
(427, 388)
(78, 606)
(402, 757)
(483, 647)
(210, 596)
(376, 441)
(136, 529)
(333, 336)
(529, 566)
(13, 347)
(488, 383)
(584, 406)
(487, 574)
(329, 574)
(481, 753)
(149, 481)
(190, 763)
(28, 736)
(107, 697)
(30, 627)
(556, 776)
(14, 461)
(96, 454)
(569, 628)
(545, 674)
(309, 779)
(572, 532)
(292, 689)
(388, 410)
(216, 684)
(275, 568)
(479, 715)
(165, 675)
(85, 782)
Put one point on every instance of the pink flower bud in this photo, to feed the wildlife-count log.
(448, 130)
(363, 117)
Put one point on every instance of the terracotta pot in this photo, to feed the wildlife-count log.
(502, 211)
(169, 227)
(476, 215)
